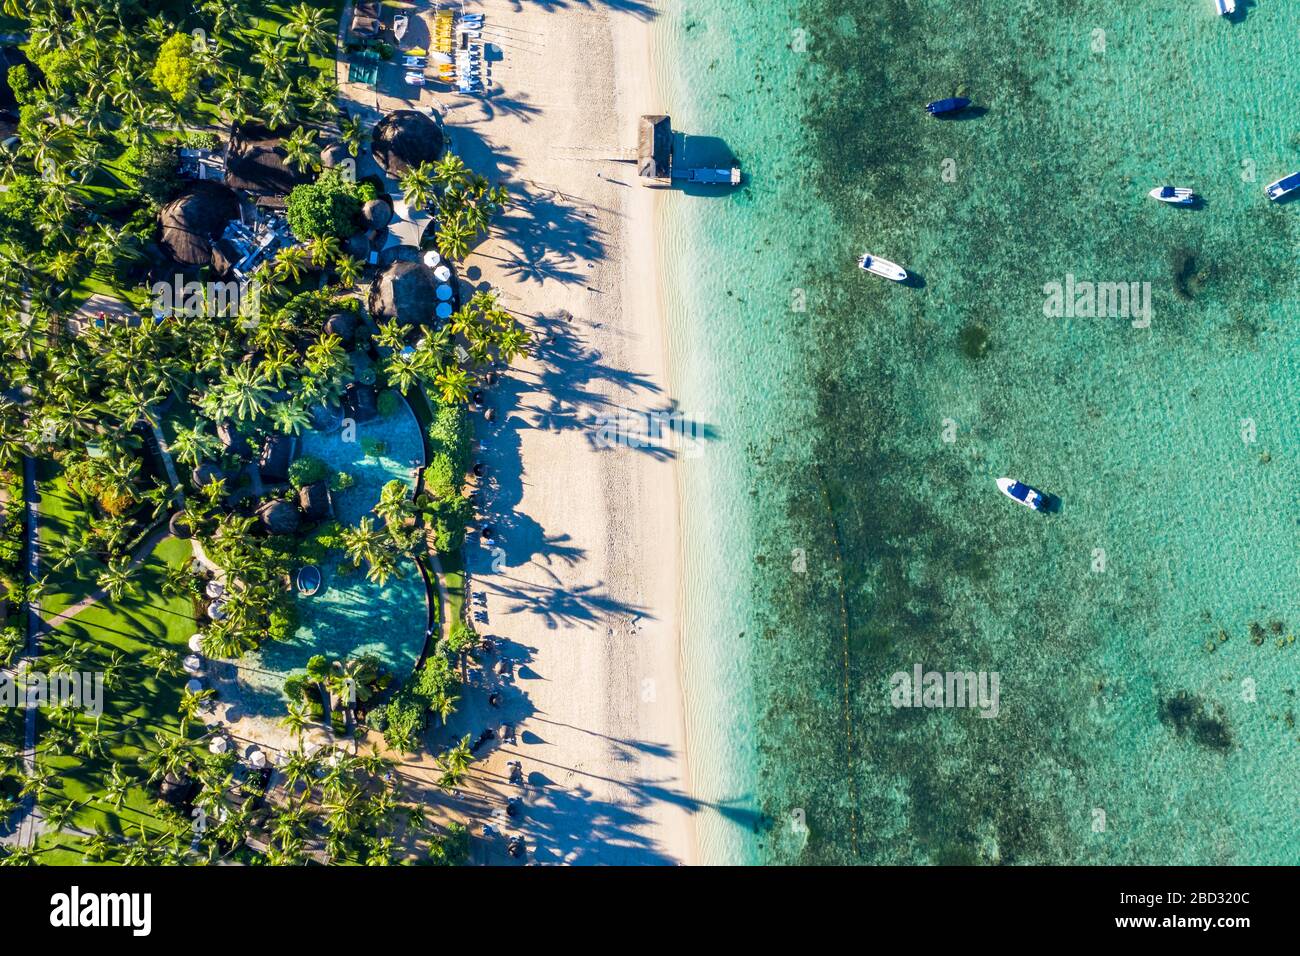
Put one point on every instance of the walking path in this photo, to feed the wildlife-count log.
(29, 814)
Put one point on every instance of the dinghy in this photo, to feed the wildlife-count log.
(953, 104)
(1017, 491)
(1174, 195)
(882, 267)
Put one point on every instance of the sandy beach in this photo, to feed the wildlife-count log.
(581, 588)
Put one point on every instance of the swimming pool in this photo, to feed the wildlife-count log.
(349, 615)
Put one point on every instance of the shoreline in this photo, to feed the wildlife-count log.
(584, 588)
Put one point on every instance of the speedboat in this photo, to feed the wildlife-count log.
(1018, 491)
(1174, 195)
(1283, 187)
(953, 104)
(1225, 7)
(882, 267)
(413, 78)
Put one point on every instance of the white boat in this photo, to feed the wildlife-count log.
(414, 79)
(1019, 492)
(882, 267)
(399, 27)
(1283, 187)
(1174, 195)
(1225, 7)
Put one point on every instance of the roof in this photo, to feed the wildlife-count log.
(195, 219)
(275, 458)
(258, 163)
(654, 148)
(279, 517)
(314, 501)
(405, 138)
(404, 291)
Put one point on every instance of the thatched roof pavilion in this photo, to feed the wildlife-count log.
(279, 517)
(193, 221)
(314, 501)
(344, 325)
(206, 474)
(406, 291)
(276, 457)
(405, 138)
(654, 148)
(377, 214)
(258, 163)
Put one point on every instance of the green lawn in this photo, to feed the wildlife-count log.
(140, 706)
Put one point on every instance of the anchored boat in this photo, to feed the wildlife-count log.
(882, 267)
(1017, 491)
(1283, 187)
(1174, 195)
(953, 104)
(1225, 7)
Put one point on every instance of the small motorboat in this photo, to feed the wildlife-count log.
(308, 580)
(413, 78)
(1225, 7)
(953, 104)
(1018, 491)
(1174, 195)
(1283, 187)
(882, 267)
(399, 27)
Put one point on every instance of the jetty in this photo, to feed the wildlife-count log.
(661, 159)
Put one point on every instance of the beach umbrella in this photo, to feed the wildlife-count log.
(257, 760)
(214, 589)
(432, 258)
(192, 664)
(441, 58)
(444, 310)
(194, 685)
(442, 274)
(218, 745)
(196, 643)
(444, 292)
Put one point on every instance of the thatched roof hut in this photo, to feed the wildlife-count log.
(361, 402)
(258, 163)
(206, 474)
(275, 458)
(405, 138)
(179, 526)
(335, 154)
(232, 440)
(377, 214)
(279, 517)
(314, 501)
(654, 148)
(344, 325)
(406, 291)
(195, 219)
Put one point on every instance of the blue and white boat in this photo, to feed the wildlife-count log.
(953, 104)
(882, 267)
(1018, 491)
(1174, 195)
(1283, 187)
(1225, 7)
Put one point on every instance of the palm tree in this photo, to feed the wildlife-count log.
(290, 262)
(193, 445)
(353, 131)
(191, 705)
(418, 185)
(454, 764)
(117, 786)
(163, 660)
(310, 27)
(116, 578)
(302, 151)
(453, 385)
(348, 269)
(453, 238)
(364, 543)
(244, 392)
(295, 721)
(450, 172)
(322, 249)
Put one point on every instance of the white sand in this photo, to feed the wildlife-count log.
(585, 587)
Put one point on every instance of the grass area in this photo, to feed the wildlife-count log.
(139, 706)
(61, 512)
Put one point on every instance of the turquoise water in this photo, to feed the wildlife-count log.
(351, 616)
(845, 524)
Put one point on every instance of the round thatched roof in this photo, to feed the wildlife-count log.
(314, 501)
(194, 219)
(178, 526)
(206, 474)
(377, 214)
(405, 291)
(342, 324)
(405, 138)
(333, 154)
(279, 517)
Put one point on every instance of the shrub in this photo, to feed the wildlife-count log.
(295, 687)
(452, 433)
(156, 170)
(20, 207)
(175, 72)
(373, 448)
(328, 207)
(404, 720)
(440, 477)
(342, 481)
(307, 470)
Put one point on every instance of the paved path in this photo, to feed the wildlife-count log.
(29, 815)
